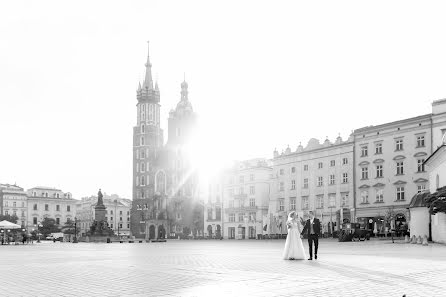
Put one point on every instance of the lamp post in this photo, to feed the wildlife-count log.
(39, 224)
(2, 235)
(75, 230)
(116, 222)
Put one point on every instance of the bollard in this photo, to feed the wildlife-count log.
(406, 239)
(425, 240)
(419, 240)
(414, 240)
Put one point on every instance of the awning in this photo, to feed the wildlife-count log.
(8, 225)
(418, 199)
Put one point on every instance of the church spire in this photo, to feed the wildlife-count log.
(148, 82)
(184, 89)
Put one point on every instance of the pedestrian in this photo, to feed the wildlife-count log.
(313, 230)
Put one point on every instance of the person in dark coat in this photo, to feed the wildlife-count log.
(313, 230)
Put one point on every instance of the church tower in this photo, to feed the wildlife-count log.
(147, 136)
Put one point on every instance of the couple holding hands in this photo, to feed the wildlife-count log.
(294, 248)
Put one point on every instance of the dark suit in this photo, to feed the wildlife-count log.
(312, 237)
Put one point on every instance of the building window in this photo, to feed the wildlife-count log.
(142, 140)
(34, 194)
(111, 225)
(399, 145)
(232, 217)
(420, 141)
(320, 201)
(293, 203)
(320, 181)
(209, 214)
(57, 221)
(68, 208)
(293, 169)
(379, 171)
(111, 218)
(14, 204)
(293, 184)
(281, 186)
(281, 171)
(305, 184)
(57, 207)
(46, 207)
(252, 216)
(6, 203)
(420, 165)
(332, 201)
(305, 203)
(378, 148)
(35, 206)
(400, 193)
(241, 217)
(143, 128)
(143, 154)
(143, 180)
(120, 219)
(57, 195)
(344, 200)
(320, 165)
(399, 168)
(344, 161)
(365, 197)
(120, 226)
(252, 202)
(305, 167)
(364, 173)
(23, 213)
(251, 177)
(364, 151)
(34, 220)
(143, 167)
(6, 212)
(332, 163)
(128, 226)
(241, 179)
(252, 190)
(332, 179)
(281, 204)
(421, 188)
(379, 195)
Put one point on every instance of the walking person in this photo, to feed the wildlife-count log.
(313, 230)
(294, 248)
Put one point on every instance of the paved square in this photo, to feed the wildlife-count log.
(221, 268)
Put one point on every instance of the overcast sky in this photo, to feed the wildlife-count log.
(261, 75)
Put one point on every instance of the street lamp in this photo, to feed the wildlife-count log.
(2, 235)
(75, 230)
(39, 224)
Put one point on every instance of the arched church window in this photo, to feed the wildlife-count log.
(161, 182)
(142, 140)
(143, 112)
(143, 154)
(151, 112)
(143, 167)
(143, 181)
(437, 182)
(143, 128)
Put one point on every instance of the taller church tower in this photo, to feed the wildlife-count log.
(147, 136)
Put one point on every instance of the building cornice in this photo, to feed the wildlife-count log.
(395, 124)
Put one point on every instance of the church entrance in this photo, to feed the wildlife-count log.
(218, 232)
(210, 231)
(152, 232)
(161, 232)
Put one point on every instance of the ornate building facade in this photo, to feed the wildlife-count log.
(317, 177)
(164, 181)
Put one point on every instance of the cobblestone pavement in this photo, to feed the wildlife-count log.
(221, 268)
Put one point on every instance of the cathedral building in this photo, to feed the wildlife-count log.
(165, 197)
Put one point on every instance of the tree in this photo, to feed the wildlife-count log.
(68, 228)
(49, 226)
(436, 202)
(9, 218)
(198, 218)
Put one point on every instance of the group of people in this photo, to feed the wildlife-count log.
(15, 238)
(294, 248)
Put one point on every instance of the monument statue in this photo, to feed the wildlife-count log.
(100, 201)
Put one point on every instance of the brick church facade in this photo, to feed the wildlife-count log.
(165, 184)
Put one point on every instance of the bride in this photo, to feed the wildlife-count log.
(294, 248)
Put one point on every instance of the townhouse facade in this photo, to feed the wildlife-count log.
(13, 202)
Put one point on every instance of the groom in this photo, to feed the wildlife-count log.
(313, 229)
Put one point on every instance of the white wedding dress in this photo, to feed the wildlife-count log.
(294, 248)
